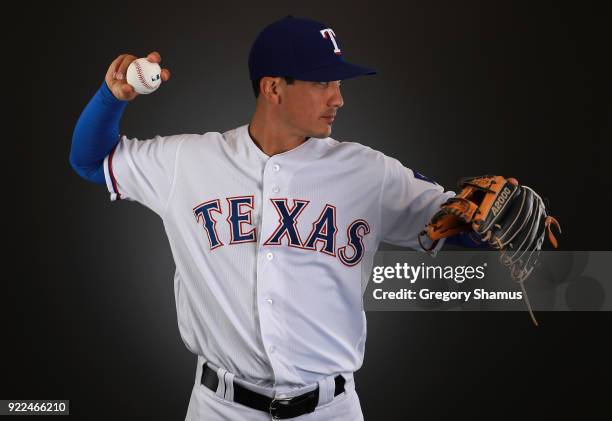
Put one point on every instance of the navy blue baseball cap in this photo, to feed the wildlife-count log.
(302, 49)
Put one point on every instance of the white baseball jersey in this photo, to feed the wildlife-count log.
(268, 250)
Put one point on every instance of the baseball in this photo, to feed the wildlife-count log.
(144, 76)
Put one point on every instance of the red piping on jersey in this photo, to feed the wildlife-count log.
(110, 171)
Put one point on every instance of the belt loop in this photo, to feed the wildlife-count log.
(199, 368)
(327, 387)
(229, 386)
(221, 387)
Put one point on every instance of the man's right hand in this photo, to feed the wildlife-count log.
(116, 75)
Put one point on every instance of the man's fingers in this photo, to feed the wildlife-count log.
(117, 61)
(112, 69)
(122, 69)
(127, 89)
(165, 75)
(154, 57)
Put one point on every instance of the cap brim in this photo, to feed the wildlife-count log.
(339, 70)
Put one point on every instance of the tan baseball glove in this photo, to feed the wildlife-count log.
(505, 215)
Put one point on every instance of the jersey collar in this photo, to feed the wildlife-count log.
(311, 148)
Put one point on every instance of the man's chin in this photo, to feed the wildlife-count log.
(322, 134)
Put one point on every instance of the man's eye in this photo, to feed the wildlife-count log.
(326, 83)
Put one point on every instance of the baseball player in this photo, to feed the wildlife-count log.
(269, 224)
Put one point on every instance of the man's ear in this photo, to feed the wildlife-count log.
(269, 88)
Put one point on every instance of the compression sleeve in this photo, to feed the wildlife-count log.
(96, 133)
(465, 240)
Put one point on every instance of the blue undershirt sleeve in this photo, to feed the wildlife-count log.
(96, 134)
(466, 240)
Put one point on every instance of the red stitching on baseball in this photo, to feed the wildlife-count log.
(141, 76)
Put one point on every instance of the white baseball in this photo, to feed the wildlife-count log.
(144, 76)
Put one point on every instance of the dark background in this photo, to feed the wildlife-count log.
(464, 88)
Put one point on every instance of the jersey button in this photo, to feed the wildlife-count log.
(276, 167)
(269, 256)
(269, 300)
(275, 189)
(272, 349)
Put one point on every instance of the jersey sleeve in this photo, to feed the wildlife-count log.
(408, 201)
(143, 170)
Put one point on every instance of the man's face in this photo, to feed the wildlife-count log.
(308, 108)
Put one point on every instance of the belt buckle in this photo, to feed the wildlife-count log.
(276, 405)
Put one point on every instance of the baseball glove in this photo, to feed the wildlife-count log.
(505, 215)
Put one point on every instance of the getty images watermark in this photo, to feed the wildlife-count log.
(478, 281)
(458, 274)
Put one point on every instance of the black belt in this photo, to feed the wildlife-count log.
(278, 408)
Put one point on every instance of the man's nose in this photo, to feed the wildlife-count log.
(336, 98)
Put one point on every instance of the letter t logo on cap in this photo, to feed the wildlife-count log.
(329, 32)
